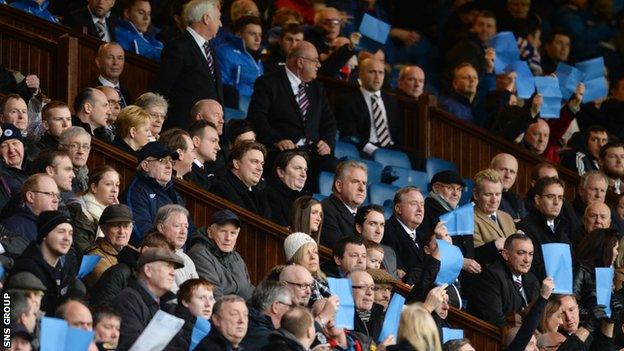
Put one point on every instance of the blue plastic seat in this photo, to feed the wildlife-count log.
(382, 194)
(374, 170)
(434, 165)
(389, 157)
(388, 211)
(345, 150)
(410, 177)
(466, 196)
(230, 113)
(326, 180)
(319, 197)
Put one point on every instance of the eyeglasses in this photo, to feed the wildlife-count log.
(314, 60)
(162, 161)
(48, 193)
(553, 196)
(302, 286)
(331, 21)
(290, 305)
(78, 146)
(364, 287)
(160, 116)
(457, 188)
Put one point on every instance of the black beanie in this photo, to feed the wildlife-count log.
(47, 221)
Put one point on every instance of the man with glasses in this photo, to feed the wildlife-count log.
(77, 142)
(327, 25)
(39, 193)
(216, 259)
(151, 187)
(299, 280)
(57, 164)
(12, 167)
(544, 224)
(369, 315)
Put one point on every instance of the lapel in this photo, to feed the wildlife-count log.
(405, 237)
(342, 209)
(362, 110)
(199, 55)
(291, 96)
(494, 227)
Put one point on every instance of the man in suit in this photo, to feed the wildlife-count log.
(492, 226)
(509, 287)
(211, 110)
(206, 141)
(545, 223)
(611, 161)
(369, 116)
(92, 113)
(340, 208)
(188, 69)
(289, 109)
(511, 202)
(97, 18)
(110, 63)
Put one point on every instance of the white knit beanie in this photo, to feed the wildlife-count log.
(295, 241)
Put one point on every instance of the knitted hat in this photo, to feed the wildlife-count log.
(47, 221)
(294, 242)
(9, 131)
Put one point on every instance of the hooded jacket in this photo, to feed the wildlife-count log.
(239, 68)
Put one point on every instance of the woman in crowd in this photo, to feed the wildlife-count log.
(156, 106)
(195, 300)
(551, 319)
(133, 129)
(301, 249)
(103, 191)
(307, 217)
(289, 178)
(599, 248)
(417, 331)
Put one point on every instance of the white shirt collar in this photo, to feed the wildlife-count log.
(411, 232)
(367, 94)
(198, 163)
(293, 79)
(517, 278)
(107, 83)
(550, 222)
(198, 38)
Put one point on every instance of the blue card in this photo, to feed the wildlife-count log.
(451, 334)
(569, 77)
(53, 334)
(604, 287)
(374, 29)
(200, 330)
(594, 79)
(520, 67)
(451, 262)
(392, 318)
(525, 84)
(460, 221)
(506, 47)
(548, 87)
(345, 315)
(88, 264)
(2, 272)
(558, 264)
(78, 339)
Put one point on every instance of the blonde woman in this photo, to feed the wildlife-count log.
(301, 249)
(133, 129)
(417, 331)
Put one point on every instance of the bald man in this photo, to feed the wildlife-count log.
(369, 116)
(110, 63)
(597, 215)
(511, 202)
(536, 137)
(411, 82)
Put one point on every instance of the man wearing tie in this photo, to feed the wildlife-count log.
(188, 68)
(544, 223)
(505, 287)
(110, 64)
(492, 225)
(97, 18)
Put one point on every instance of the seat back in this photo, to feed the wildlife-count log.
(389, 157)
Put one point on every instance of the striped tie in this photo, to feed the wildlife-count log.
(101, 29)
(381, 126)
(122, 101)
(302, 100)
(208, 53)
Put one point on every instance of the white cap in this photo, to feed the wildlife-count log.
(294, 242)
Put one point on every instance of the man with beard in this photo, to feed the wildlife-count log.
(611, 161)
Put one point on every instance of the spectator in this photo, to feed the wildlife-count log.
(180, 142)
(205, 150)
(411, 82)
(492, 226)
(57, 164)
(327, 25)
(617, 210)
(92, 112)
(269, 302)
(56, 118)
(134, 33)
(172, 222)
(245, 172)
(551, 319)
(39, 193)
(13, 82)
(592, 189)
(296, 332)
(570, 314)
(195, 300)
(417, 330)
(116, 224)
(552, 340)
(238, 132)
(97, 18)
(156, 106)
(212, 111)
(77, 142)
(458, 344)
(230, 320)
(348, 193)
(215, 257)
(511, 202)
(151, 187)
(369, 316)
(545, 224)
(38, 8)
(611, 161)
(110, 63)
(374, 254)
(384, 283)
(133, 129)
(140, 301)
(370, 117)
(508, 287)
(239, 58)
(290, 35)
(289, 178)
(597, 215)
(28, 285)
(106, 324)
(15, 111)
(463, 101)
(370, 224)
(302, 250)
(22, 313)
(536, 137)
(299, 281)
(556, 49)
(76, 314)
(307, 217)
(43, 259)
(187, 75)
(114, 102)
(586, 159)
(13, 164)
(349, 254)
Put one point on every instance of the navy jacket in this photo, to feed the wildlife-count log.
(260, 326)
(22, 222)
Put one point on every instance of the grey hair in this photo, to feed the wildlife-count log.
(19, 306)
(225, 299)
(166, 211)
(584, 182)
(148, 100)
(196, 9)
(70, 133)
(267, 292)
